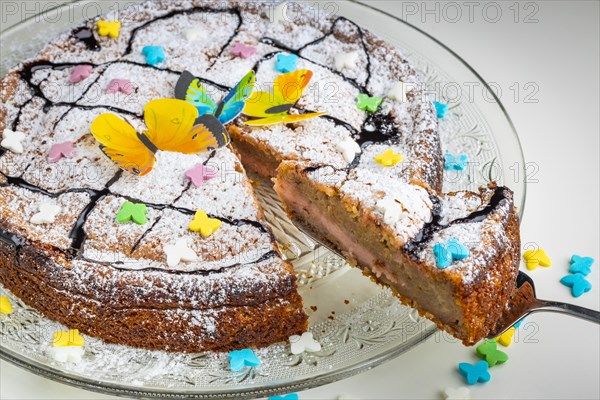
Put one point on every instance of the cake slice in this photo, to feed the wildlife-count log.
(389, 229)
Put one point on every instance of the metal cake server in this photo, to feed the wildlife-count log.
(524, 302)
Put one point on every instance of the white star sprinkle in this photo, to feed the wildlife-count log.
(11, 140)
(306, 342)
(346, 60)
(399, 91)
(179, 252)
(349, 149)
(46, 215)
(194, 34)
(461, 393)
(391, 209)
(71, 354)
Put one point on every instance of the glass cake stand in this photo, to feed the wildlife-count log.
(359, 324)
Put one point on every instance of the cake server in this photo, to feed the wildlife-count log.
(524, 302)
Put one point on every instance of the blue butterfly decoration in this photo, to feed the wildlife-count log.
(578, 284)
(475, 373)
(239, 359)
(441, 109)
(518, 323)
(190, 89)
(455, 162)
(286, 63)
(581, 265)
(446, 253)
(154, 55)
(291, 396)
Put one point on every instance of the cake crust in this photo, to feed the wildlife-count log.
(168, 327)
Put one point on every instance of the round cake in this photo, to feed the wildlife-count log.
(172, 253)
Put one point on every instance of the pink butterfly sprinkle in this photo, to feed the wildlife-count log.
(81, 72)
(120, 85)
(61, 150)
(200, 173)
(243, 51)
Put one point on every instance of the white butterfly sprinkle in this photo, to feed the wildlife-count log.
(399, 90)
(304, 343)
(11, 140)
(194, 34)
(179, 252)
(461, 393)
(391, 209)
(346, 60)
(46, 215)
(348, 148)
(71, 354)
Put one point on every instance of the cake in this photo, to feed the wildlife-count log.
(74, 244)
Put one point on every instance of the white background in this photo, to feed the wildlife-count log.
(560, 133)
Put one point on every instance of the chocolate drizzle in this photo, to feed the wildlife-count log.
(85, 35)
(78, 232)
(416, 244)
(378, 128)
(233, 11)
(276, 43)
(20, 182)
(266, 256)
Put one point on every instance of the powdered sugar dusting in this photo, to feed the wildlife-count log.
(20, 205)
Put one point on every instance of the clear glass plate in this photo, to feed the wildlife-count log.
(358, 323)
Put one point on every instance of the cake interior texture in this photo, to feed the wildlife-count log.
(465, 301)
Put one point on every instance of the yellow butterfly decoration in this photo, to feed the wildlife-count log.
(273, 108)
(173, 125)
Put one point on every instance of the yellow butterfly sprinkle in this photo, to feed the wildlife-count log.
(109, 28)
(69, 338)
(535, 258)
(5, 307)
(506, 338)
(389, 158)
(206, 226)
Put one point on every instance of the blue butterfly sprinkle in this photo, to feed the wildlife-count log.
(446, 253)
(578, 284)
(455, 162)
(286, 63)
(518, 324)
(581, 265)
(441, 109)
(291, 396)
(154, 54)
(239, 359)
(475, 373)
